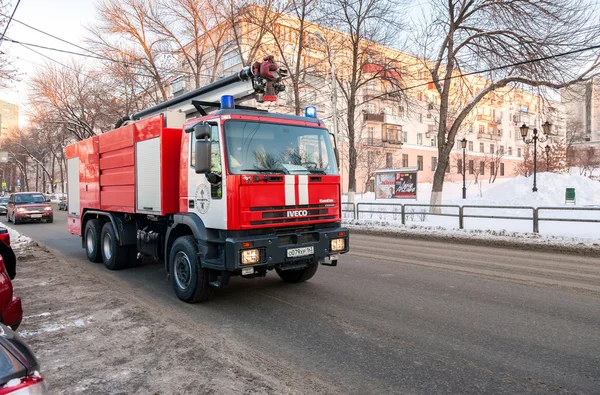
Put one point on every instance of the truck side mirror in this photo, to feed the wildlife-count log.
(202, 132)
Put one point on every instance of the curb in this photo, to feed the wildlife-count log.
(473, 239)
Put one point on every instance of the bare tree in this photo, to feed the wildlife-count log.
(8, 73)
(360, 63)
(465, 35)
(124, 33)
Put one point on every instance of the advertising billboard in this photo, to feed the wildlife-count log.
(396, 184)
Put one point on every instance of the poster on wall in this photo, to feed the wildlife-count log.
(396, 184)
(386, 185)
(406, 185)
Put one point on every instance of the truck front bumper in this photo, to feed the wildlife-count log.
(287, 249)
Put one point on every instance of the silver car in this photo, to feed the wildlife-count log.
(3, 204)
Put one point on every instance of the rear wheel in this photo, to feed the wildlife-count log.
(93, 228)
(298, 276)
(115, 257)
(50, 220)
(189, 279)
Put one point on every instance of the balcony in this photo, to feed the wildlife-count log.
(385, 143)
(485, 136)
(367, 117)
(392, 120)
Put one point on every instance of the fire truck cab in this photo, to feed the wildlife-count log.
(236, 191)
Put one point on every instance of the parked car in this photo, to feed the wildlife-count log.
(11, 312)
(19, 368)
(3, 205)
(29, 206)
(63, 205)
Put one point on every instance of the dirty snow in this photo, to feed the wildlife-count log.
(17, 240)
(505, 193)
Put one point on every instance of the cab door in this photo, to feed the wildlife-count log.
(207, 192)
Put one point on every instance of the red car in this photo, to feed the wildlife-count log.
(11, 312)
(29, 206)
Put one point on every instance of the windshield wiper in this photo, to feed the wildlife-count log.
(317, 171)
(280, 171)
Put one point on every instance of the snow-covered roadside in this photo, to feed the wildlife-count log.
(18, 241)
(476, 236)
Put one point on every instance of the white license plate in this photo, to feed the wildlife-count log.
(302, 251)
(36, 215)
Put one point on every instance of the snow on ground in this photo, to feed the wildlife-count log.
(506, 193)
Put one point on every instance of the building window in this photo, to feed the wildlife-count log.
(481, 147)
(491, 148)
(404, 160)
(370, 108)
(492, 169)
(371, 157)
(481, 129)
(387, 110)
(470, 146)
(433, 163)
(433, 141)
(370, 134)
(405, 137)
(502, 169)
(231, 59)
(459, 166)
(519, 152)
(389, 160)
(177, 85)
(471, 167)
(419, 162)
(421, 118)
(509, 151)
(482, 168)
(420, 138)
(501, 148)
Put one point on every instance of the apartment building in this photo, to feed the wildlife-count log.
(582, 107)
(392, 132)
(9, 118)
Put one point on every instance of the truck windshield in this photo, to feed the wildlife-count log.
(254, 147)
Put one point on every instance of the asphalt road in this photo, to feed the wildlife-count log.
(404, 316)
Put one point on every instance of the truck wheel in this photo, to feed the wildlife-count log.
(298, 276)
(115, 257)
(190, 280)
(93, 228)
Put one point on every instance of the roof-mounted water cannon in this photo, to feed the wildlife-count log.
(263, 82)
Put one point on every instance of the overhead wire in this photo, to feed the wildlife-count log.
(9, 20)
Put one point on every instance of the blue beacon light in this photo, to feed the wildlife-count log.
(227, 102)
(310, 112)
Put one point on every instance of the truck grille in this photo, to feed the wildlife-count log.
(291, 214)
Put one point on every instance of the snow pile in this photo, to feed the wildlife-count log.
(18, 241)
(551, 191)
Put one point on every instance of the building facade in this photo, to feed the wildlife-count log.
(9, 118)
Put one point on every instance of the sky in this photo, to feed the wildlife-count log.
(62, 18)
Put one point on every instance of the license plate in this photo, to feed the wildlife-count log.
(302, 251)
(36, 215)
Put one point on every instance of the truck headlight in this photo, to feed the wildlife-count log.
(250, 256)
(338, 244)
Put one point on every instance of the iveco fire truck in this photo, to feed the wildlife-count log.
(213, 188)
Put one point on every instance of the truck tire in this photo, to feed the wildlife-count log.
(114, 256)
(93, 228)
(299, 276)
(189, 279)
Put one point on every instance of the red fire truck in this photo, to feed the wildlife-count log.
(213, 188)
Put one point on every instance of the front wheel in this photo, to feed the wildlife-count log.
(189, 279)
(93, 228)
(299, 276)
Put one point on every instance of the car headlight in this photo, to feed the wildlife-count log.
(21, 210)
(48, 208)
(338, 244)
(250, 256)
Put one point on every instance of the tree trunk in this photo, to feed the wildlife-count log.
(351, 151)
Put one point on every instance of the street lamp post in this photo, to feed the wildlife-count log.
(547, 158)
(463, 144)
(524, 132)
